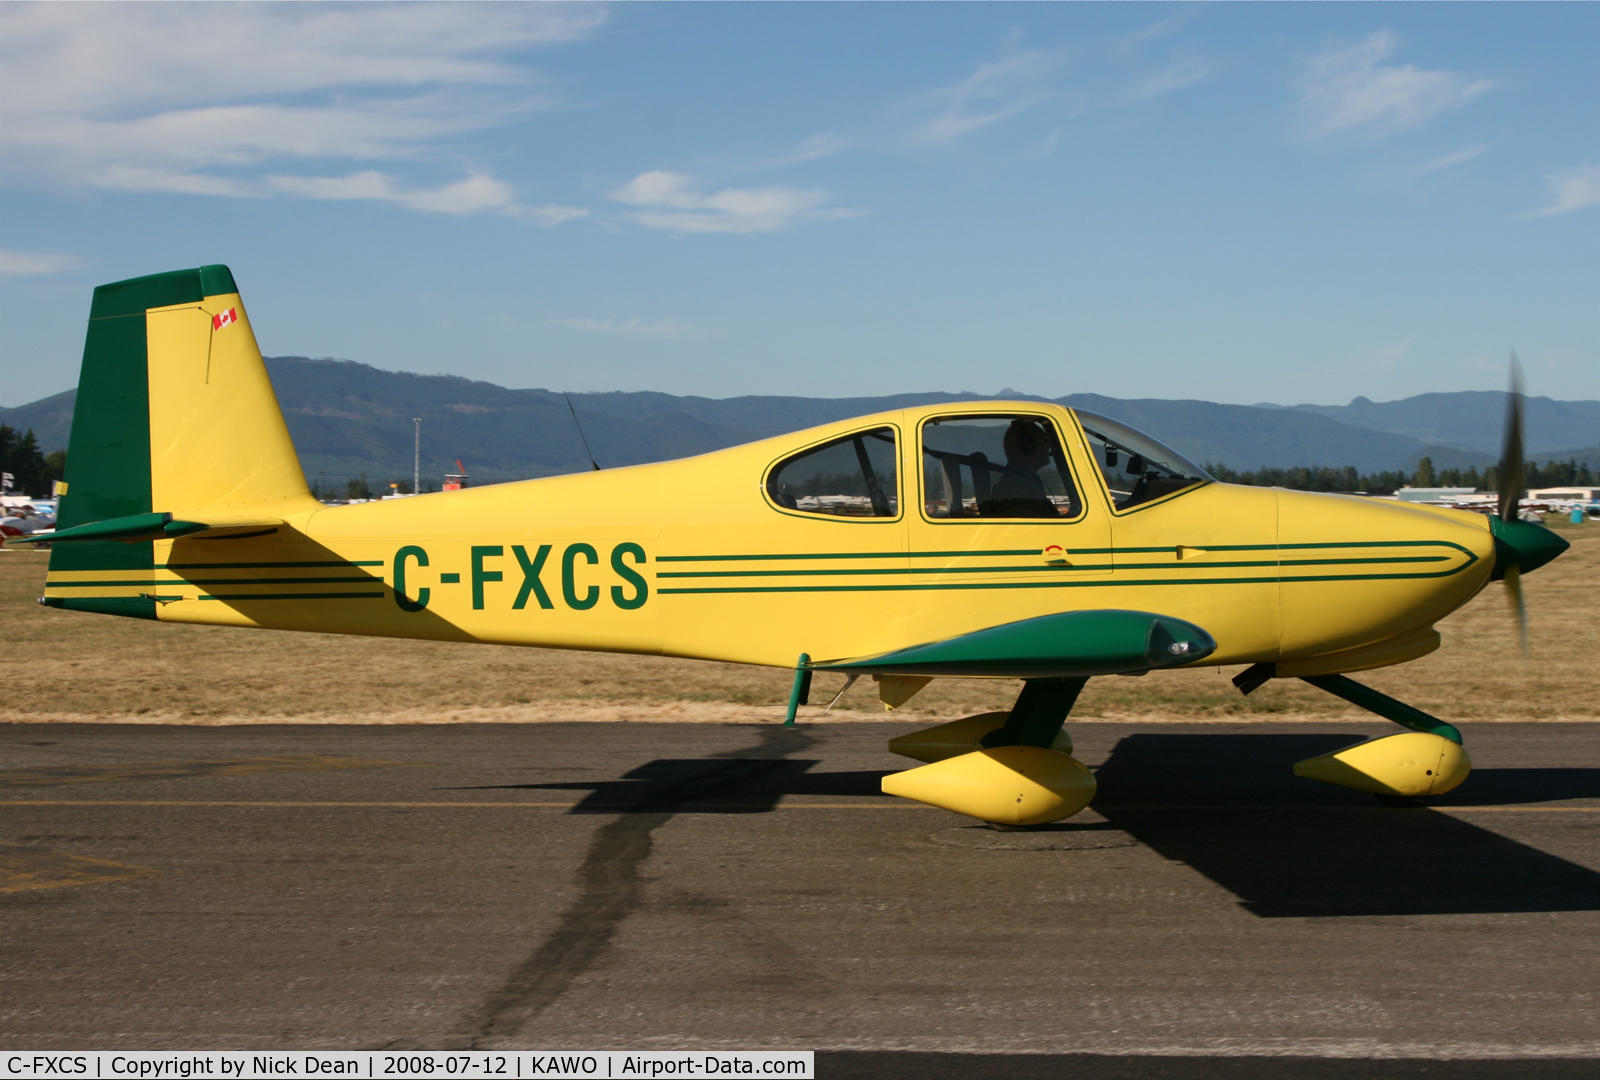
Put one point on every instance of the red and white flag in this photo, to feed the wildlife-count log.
(226, 318)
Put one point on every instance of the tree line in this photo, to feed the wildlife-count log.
(31, 471)
(1572, 473)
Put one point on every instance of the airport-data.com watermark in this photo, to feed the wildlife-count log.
(411, 1065)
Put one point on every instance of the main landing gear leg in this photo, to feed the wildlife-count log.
(1401, 770)
(1035, 720)
(1038, 715)
(1009, 769)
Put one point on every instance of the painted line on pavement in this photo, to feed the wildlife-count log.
(307, 804)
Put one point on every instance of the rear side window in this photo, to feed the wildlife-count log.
(856, 476)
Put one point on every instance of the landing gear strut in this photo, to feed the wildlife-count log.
(1038, 715)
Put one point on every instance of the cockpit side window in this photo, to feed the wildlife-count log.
(1137, 469)
(1003, 466)
(855, 477)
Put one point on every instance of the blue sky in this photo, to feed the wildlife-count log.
(1290, 203)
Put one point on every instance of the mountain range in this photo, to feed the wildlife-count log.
(350, 419)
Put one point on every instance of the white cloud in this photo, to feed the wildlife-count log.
(1450, 161)
(1156, 30)
(1571, 189)
(30, 263)
(192, 98)
(821, 145)
(72, 58)
(548, 215)
(188, 140)
(1048, 145)
(138, 178)
(1350, 90)
(670, 327)
(361, 185)
(1176, 77)
(477, 193)
(666, 200)
(992, 93)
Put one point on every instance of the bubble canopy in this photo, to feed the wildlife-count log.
(1137, 468)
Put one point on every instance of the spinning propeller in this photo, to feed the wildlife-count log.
(1511, 494)
(1519, 545)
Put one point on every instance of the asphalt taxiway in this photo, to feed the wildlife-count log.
(706, 886)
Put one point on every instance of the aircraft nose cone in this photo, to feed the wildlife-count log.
(1524, 544)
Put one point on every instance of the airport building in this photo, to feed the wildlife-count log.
(1563, 494)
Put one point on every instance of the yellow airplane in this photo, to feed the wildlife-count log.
(993, 539)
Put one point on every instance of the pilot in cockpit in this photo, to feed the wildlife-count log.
(1020, 492)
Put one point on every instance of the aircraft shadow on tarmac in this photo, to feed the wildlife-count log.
(1230, 807)
(711, 786)
(923, 1065)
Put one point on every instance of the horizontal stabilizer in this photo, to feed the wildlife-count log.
(1070, 644)
(138, 527)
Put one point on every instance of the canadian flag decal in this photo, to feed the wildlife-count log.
(225, 318)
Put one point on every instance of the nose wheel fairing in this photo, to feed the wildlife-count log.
(1410, 765)
(1426, 761)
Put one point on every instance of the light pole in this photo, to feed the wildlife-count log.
(416, 458)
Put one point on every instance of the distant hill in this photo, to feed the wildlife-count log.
(1472, 420)
(50, 418)
(1207, 432)
(349, 419)
(1587, 455)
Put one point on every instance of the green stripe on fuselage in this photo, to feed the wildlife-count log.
(1077, 583)
(299, 596)
(332, 563)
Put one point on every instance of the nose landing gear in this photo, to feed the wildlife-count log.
(1401, 770)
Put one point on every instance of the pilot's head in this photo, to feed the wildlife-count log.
(1026, 445)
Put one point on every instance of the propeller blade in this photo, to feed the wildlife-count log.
(1511, 451)
(1519, 546)
(1519, 610)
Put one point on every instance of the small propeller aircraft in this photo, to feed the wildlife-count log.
(993, 539)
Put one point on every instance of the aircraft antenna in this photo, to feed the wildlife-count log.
(579, 426)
